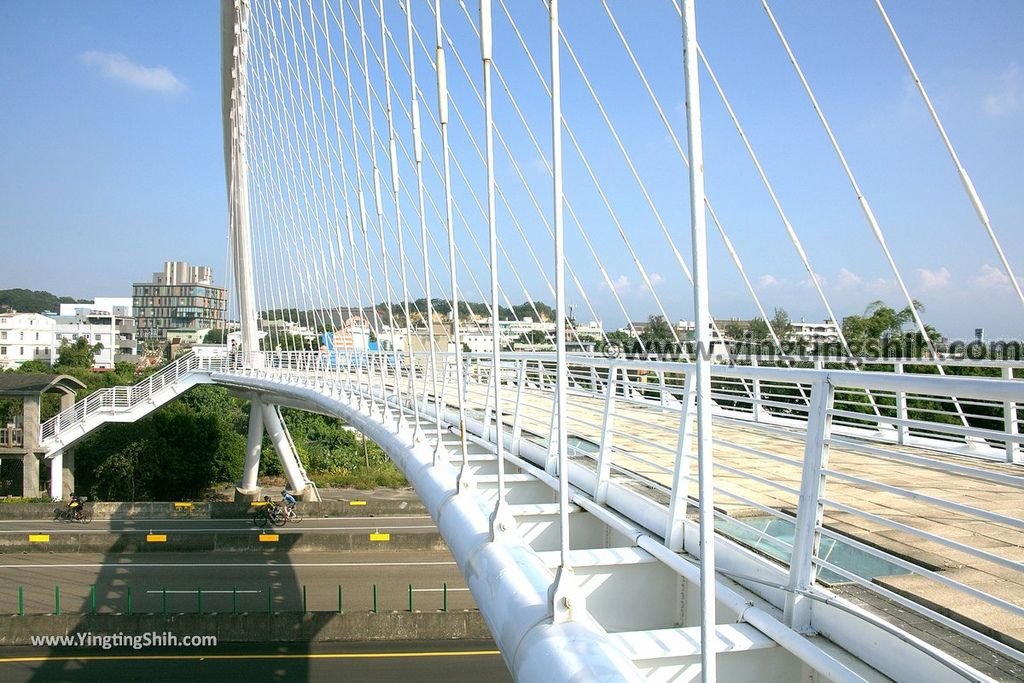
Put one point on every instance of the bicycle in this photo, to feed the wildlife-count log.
(269, 516)
(66, 514)
(291, 515)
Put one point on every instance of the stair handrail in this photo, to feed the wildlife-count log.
(122, 397)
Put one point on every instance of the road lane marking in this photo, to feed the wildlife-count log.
(164, 565)
(202, 520)
(193, 658)
(437, 590)
(310, 529)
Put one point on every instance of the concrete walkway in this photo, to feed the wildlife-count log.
(761, 465)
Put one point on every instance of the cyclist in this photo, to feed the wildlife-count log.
(75, 505)
(289, 503)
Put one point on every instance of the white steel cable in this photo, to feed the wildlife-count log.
(442, 115)
(965, 179)
(492, 230)
(379, 207)
(414, 119)
(395, 189)
(869, 215)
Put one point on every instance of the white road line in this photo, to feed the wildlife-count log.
(436, 590)
(207, 519)
(292, 529)
(275, 565)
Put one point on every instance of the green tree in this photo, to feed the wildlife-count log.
(735, 330)
(80, 354)
(532, 337)
(658, 331)
(215, 337)
(781, 323)
(758, 330)
(883, 331)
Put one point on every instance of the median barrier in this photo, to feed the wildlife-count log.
(242, 540)
(253, 628)
(354, 507)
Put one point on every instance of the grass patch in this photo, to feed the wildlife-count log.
(382, 476)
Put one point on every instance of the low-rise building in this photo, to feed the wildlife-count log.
(25, 337)
(107, 321)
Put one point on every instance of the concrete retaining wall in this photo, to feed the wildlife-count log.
(231, 541)
(216, 510)
(255, 628)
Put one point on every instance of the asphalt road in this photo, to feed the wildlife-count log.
(247, 581)
(380, 661)
(408, 524)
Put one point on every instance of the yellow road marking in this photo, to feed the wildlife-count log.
(325, 655)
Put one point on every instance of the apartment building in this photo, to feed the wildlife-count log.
(180, 297)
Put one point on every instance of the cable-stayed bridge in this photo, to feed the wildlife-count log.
(664, 516)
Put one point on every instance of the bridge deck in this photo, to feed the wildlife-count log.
(759, 466)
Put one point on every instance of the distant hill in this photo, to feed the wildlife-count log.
(27, 301)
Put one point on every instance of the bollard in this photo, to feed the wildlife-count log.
(199, 600)
(164, 591)
(56, 600)
(339, 599)
(444, 597)
(374, 598)
(92, 597)
(234, 599)
(21, 601)
(129, 600)
(410, 597)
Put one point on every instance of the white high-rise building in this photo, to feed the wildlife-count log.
(25, 337)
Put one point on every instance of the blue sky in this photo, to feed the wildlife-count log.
(112, 150)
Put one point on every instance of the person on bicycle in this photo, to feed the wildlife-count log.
(75, 505)
(289, 502)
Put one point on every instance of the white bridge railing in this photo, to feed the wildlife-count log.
(904, 469)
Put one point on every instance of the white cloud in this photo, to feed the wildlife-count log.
(655, 278)
(880, 285)
(847, 279)
(117, 67)
(933, 279)
(810, 284)
(989, 277)
(620, 284)
(1007, 95)
(767, 281)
